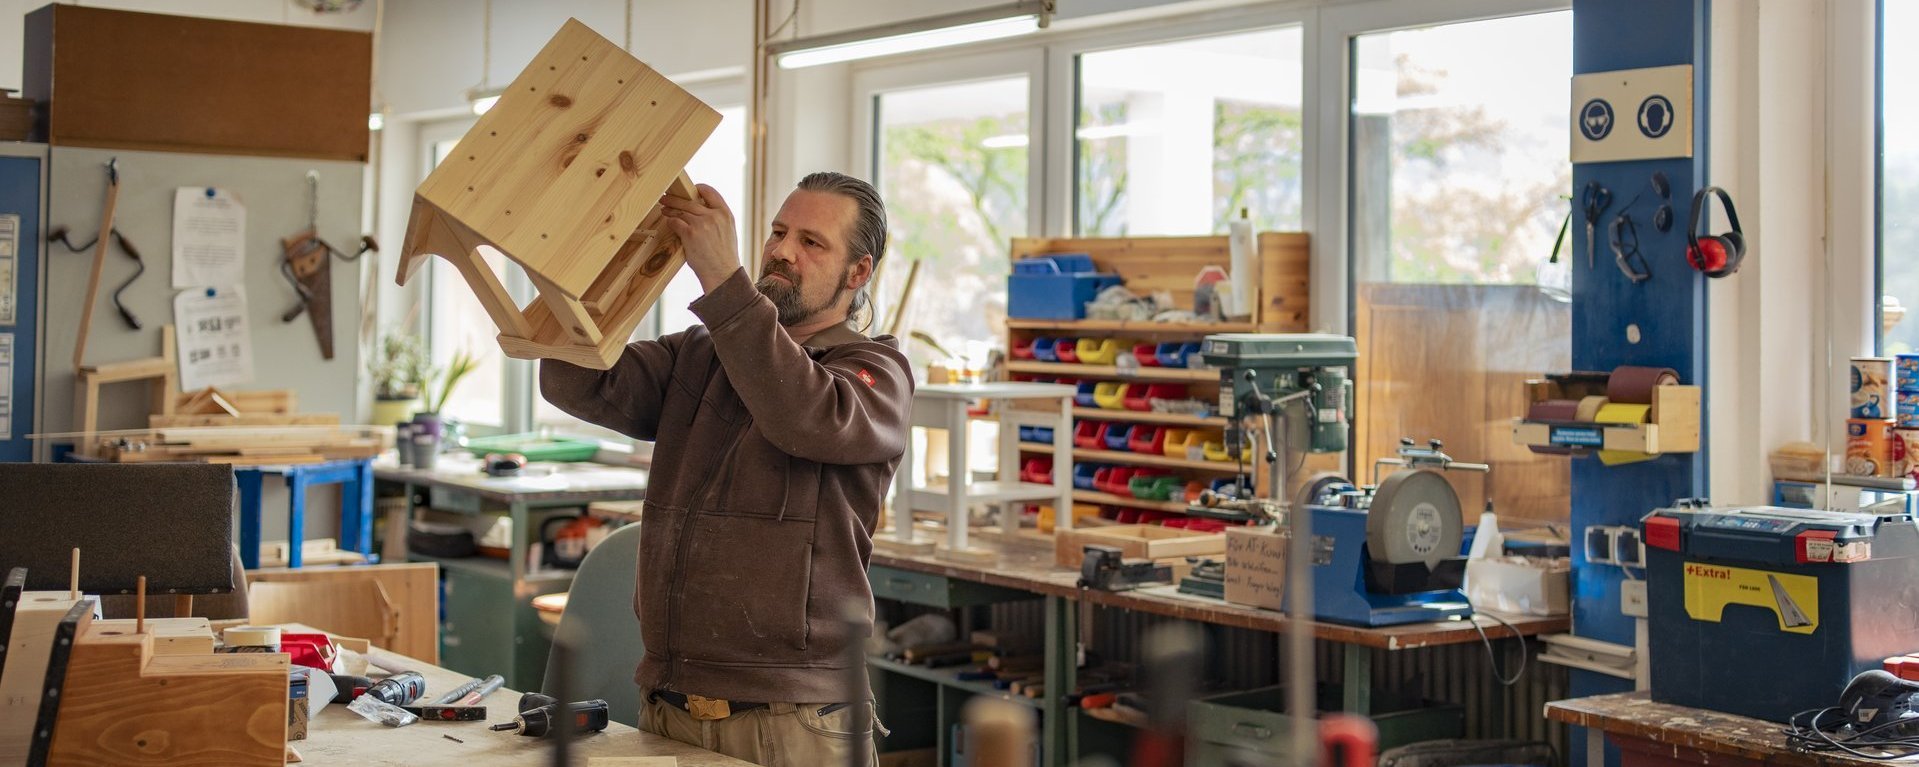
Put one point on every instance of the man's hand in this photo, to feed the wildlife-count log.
(705, 228)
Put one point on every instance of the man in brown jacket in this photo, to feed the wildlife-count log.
(778, 428)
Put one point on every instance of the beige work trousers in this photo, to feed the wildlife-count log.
(780, 735)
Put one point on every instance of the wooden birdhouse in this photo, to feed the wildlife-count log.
(563, 176)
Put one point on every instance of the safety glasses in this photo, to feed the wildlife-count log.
(1625, 248)
(1662, 218)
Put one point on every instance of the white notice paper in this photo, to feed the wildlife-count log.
(209, 237)
(215, 347)
(6, 386)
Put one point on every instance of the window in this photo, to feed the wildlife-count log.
(721, 164)
(1458, 169)
(1898, 180)
(953, 168)
(1176, 138)
(457, 323)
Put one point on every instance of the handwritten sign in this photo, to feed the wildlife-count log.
(1256, 567)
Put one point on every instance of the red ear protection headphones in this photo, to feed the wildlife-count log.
(1717, 255)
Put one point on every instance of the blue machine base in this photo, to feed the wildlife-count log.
(1339, 582)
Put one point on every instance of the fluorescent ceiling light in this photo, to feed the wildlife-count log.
(984, 24)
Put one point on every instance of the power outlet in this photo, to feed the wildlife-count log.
(1632, 598)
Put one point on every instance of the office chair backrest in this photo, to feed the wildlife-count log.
(600, 629)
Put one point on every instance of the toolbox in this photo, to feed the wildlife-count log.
(1733, 592)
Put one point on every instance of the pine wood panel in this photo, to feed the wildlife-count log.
(124, 705)
(413, 590)
(1451, 362)
(573, 157)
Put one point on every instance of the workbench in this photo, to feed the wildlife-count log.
(1025, 569)
(355, 478)
(1651, 734)
(339, 736)
(477, 592)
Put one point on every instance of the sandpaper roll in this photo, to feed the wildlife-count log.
(1632, 384)
(1589, 408)
(1552, 410)
(1621, 412)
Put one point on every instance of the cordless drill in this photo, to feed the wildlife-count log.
(537, 712)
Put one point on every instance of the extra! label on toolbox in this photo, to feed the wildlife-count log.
(1819, 546)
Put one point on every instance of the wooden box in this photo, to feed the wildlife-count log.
(563, 176)
(121, 79)
(1136, 542)
(1671, 427)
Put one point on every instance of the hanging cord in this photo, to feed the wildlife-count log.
(1493, 659)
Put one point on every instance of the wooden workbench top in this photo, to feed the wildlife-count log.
(1029, 566)
(538, 482)
(1690, 734)
(339, 736)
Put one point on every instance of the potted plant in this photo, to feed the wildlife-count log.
(400, 371)
(457, 368)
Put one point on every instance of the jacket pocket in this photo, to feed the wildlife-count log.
(658, 555)
(745, 589)
(761, 480)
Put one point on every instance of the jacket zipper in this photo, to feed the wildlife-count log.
(679, 562)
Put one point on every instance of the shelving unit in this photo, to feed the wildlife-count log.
(1151, 265)
(945, 406)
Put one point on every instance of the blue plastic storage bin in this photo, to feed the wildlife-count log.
(1083, 475)
(1036, 434)
(1116, 438)
(1084, 398)
(1054, 287)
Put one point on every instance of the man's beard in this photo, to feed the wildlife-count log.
(787, 297)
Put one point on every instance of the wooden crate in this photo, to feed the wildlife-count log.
(1136, 542)
(186, 84)
(563, 176)
(1673, 426)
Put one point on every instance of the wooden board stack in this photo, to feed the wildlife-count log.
(243, 428)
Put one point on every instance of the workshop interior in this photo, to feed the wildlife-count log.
(1021, 383)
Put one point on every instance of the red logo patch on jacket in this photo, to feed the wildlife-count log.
(867, 377)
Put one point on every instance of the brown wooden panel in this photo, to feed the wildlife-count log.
(1451, 362)
(121, 79)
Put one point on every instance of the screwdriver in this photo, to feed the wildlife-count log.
(589, 716)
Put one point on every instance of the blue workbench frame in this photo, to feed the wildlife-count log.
(356, 505)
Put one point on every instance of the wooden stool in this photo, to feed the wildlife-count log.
(160, 372)
(563, 176)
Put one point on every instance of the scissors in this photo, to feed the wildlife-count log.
(1595, 202)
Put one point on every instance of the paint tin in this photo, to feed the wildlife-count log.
(1905, 372)
(1908, 409)
(1868, 447)
(1871, 387)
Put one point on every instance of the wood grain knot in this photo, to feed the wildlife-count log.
(627, 163)
(656, 262)
(559, 100)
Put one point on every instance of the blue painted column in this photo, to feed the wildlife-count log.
(1669, 310)
(20, 190)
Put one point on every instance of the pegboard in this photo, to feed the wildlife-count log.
(286, 355)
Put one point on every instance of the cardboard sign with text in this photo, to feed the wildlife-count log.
(1256, 567)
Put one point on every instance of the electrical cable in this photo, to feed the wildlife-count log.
(1492, 659)
(1812, 737)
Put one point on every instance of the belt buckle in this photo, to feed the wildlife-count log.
(707, 709)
